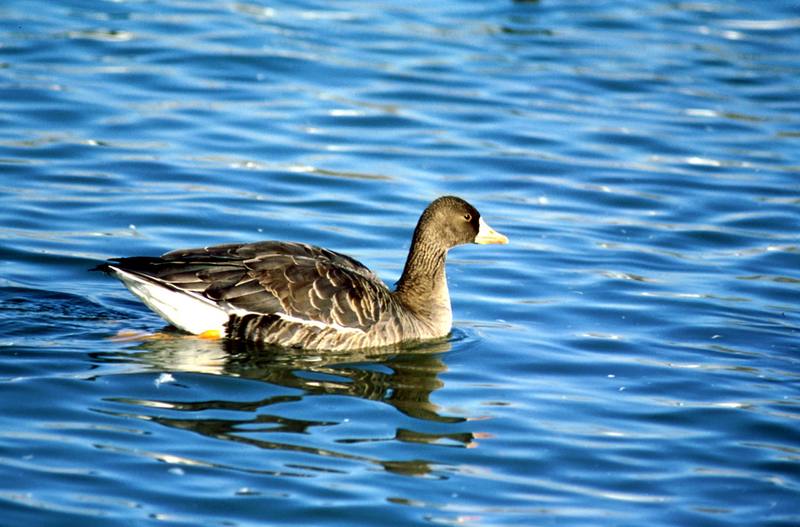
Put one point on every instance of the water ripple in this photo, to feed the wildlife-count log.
(629, 358)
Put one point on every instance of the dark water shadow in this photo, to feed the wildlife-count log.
(39, 313)
(403, 378)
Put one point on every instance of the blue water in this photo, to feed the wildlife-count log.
(631, 358)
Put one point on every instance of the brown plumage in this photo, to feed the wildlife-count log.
(298, 295)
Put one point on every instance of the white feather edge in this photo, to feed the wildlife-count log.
(318, 324)
(194, 313)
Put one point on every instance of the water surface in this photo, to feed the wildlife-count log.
(631, 358)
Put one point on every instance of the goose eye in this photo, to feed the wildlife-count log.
(467, 217)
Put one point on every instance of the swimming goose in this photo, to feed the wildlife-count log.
(302, 296)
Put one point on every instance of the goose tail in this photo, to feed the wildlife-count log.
(188, 311)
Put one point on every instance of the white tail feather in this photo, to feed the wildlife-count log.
(184, 310)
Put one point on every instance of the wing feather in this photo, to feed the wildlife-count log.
(299, 281)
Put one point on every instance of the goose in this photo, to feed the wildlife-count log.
(301, 296)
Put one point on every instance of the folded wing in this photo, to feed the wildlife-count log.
(291, 280)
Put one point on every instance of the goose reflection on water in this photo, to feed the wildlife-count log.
(404, 380)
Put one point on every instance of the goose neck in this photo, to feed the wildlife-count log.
(423, 284)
